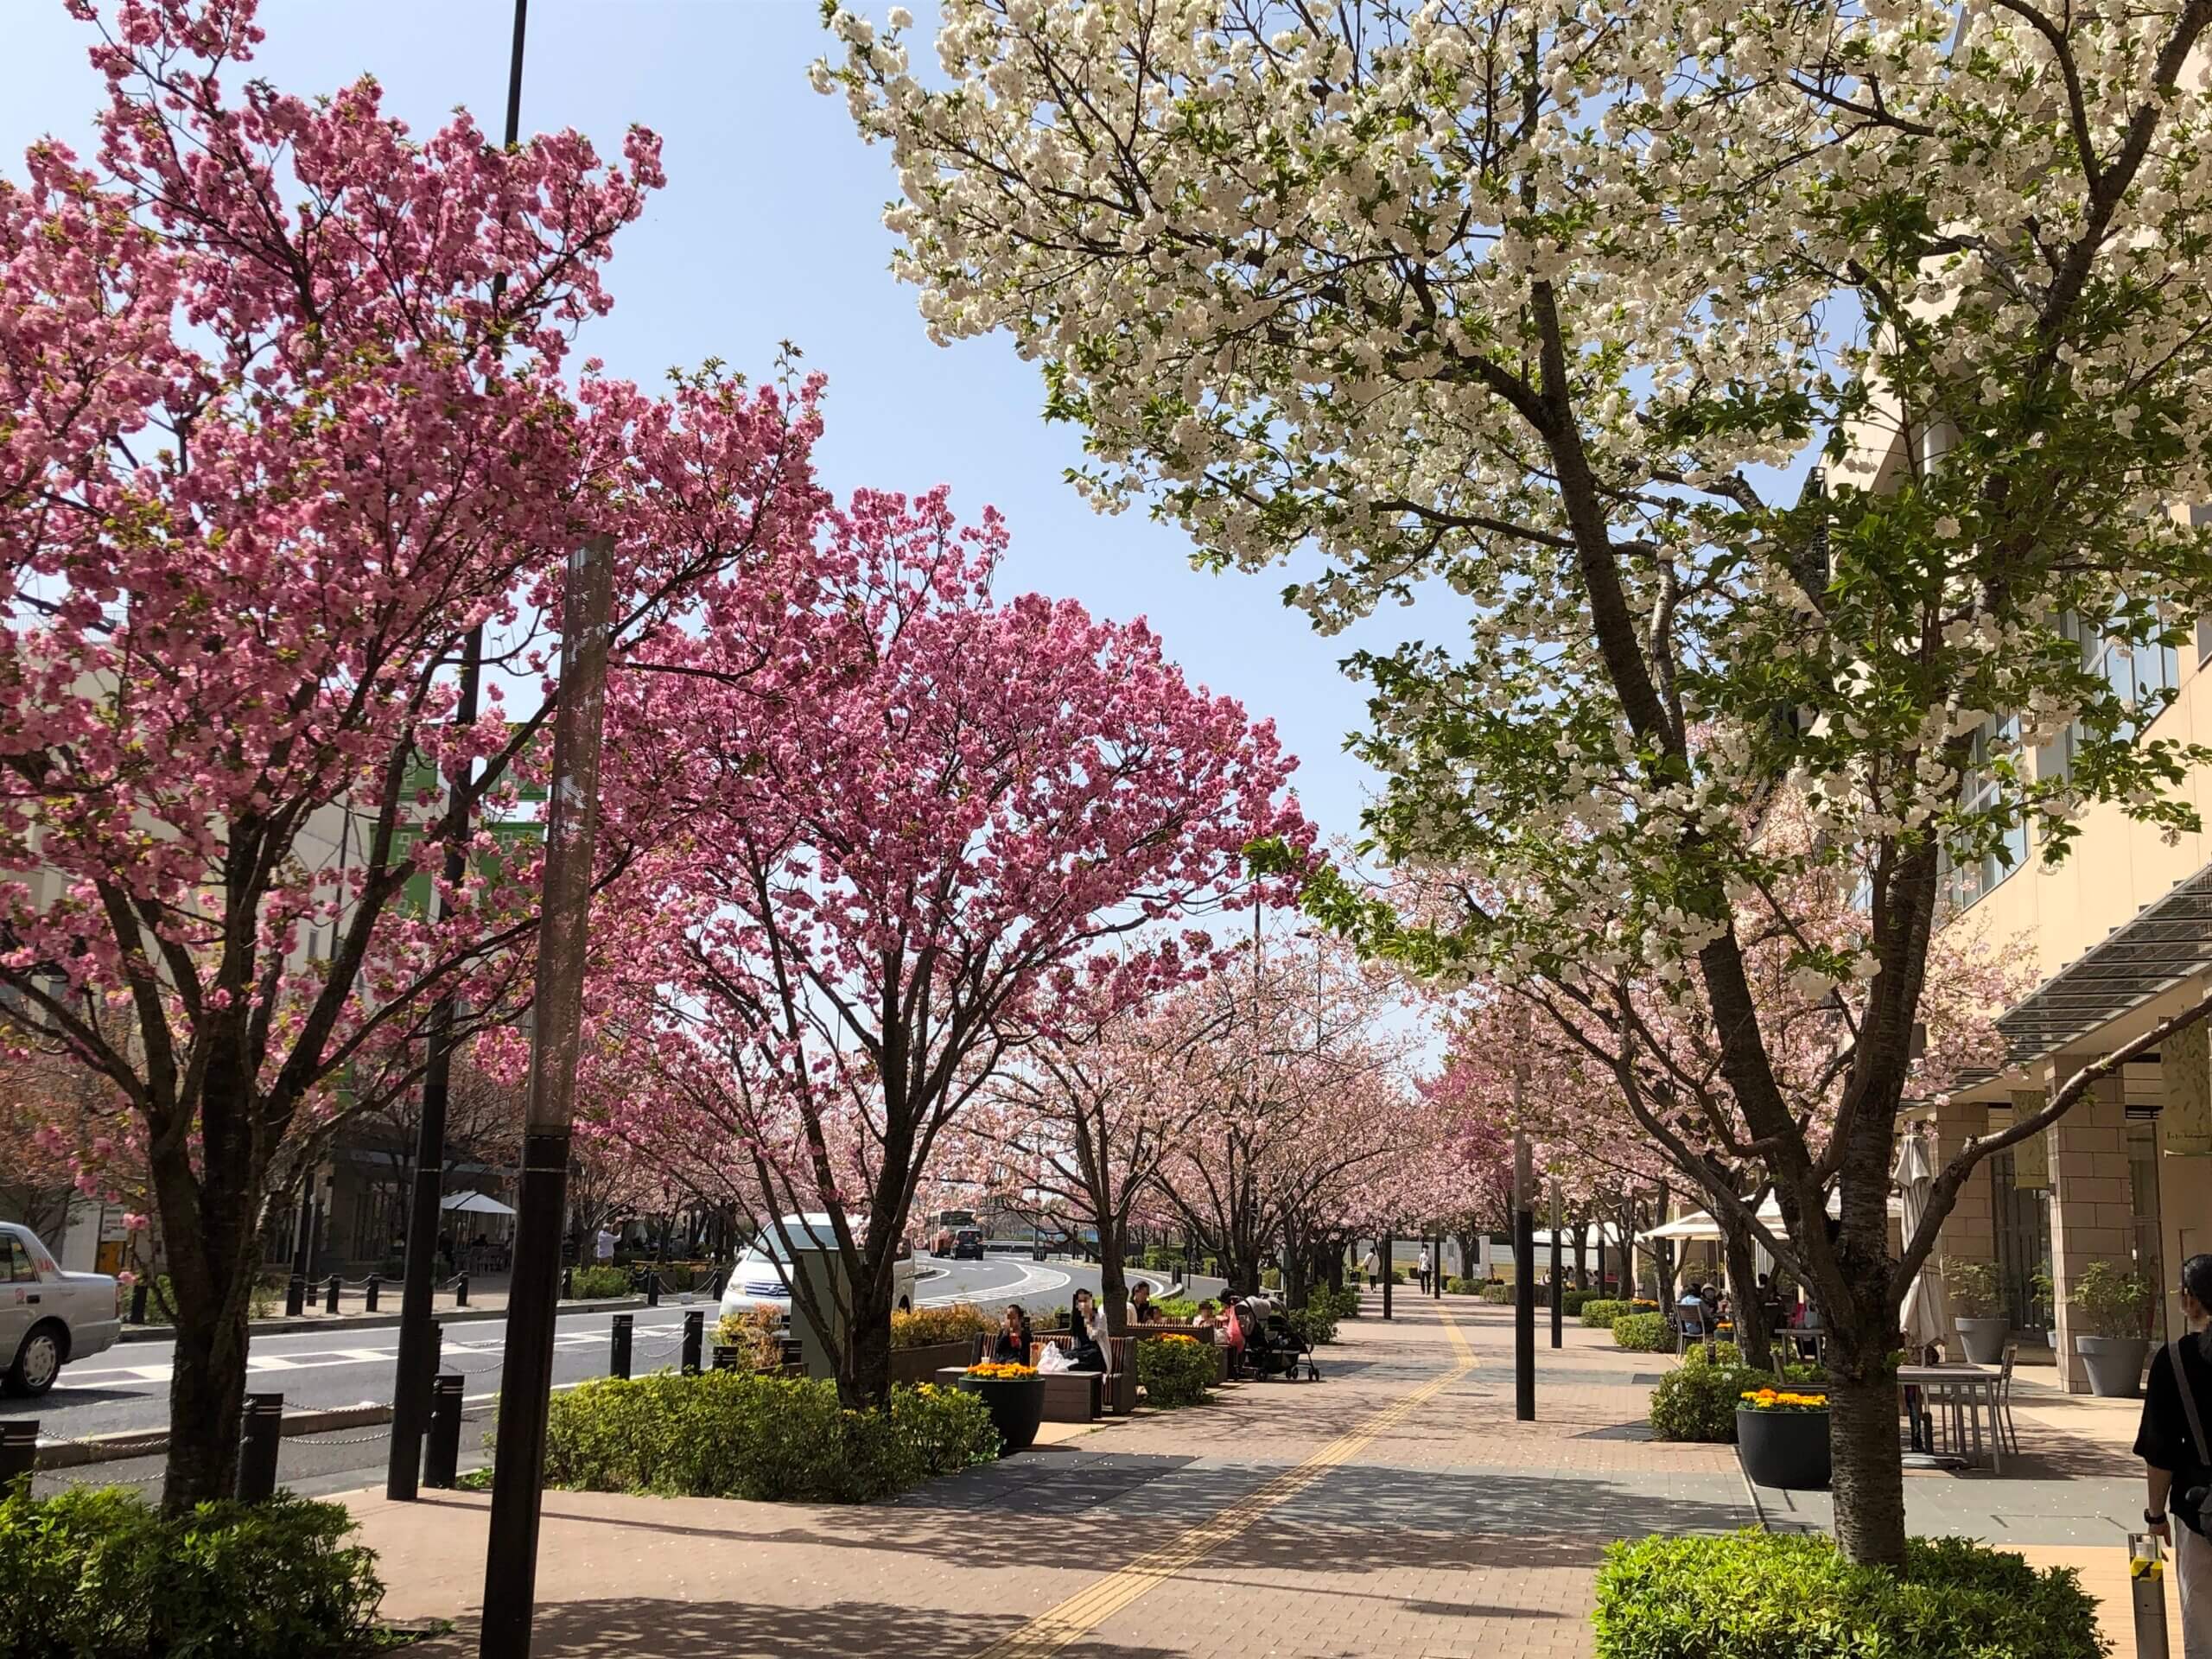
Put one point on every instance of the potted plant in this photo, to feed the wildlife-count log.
(2115, 1308)
(1980, 1297)
(1015, 1396)
(1782, 1437)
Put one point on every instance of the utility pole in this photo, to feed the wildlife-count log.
(526, 1375)
(410, 1393)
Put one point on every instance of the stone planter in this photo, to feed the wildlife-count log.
(1017, 1406)
(1983, 1339)
(1786, 1449)
(2114, 1364)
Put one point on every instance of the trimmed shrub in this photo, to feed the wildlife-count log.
(1697, 1399)
(1465, 1287)
(1312, 1323)
(927, 1326)
(1175, 1370)
(1642, 1333)
(1270, 1278)
(1497, 1290)
(770, 1438)
(1176, 1309)
(1754, 1595)
(590, 1284)
(1599, 1313)
(99, 1573)
(1573, 1301)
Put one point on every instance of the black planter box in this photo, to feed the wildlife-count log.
(1017, 1407)
(1786, 1449)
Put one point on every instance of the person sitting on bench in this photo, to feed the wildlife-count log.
(1082, 1347)
(1012, 1346)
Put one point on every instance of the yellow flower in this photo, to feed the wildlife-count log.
(994, 1372)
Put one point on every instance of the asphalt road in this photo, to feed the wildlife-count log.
(127, 1387)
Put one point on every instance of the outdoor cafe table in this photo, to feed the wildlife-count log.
(1978, 1384)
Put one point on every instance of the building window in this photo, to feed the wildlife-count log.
(2204, 639)
(1963, 883)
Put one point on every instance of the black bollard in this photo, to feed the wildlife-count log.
(295, 1296)
(18, 1448)
(695, 1336)
(138, 1303)
(568, 1284)
(265, 1427)
(652, 1287)
(728, 1358)
(369, 1297)
(330, 1296)
(618, 1362)
(461, 1290)
(442, 1446)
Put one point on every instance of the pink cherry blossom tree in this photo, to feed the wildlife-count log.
(288, 424)
(1093, 1102)
(1308, 1110)
(901, 813)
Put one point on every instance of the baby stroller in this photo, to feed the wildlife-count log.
(1273, 1349)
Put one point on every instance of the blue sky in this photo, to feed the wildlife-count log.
(770, 229)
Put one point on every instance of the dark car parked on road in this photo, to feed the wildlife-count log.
(968, 1244)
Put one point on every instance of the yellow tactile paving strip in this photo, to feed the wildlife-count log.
(1084, 1611)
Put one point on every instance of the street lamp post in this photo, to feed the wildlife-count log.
(410, 1395)
(526, 1374)
(1558, 1288)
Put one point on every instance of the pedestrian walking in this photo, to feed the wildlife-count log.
(2177, 1457)
(603, 1249)
(1373, 1278)
(1424, 1269)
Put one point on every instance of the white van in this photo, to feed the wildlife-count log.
(761, 1276)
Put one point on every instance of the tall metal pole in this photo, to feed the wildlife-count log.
(1524, 1279)
(411, 1392)
(1389, 1246)
(1558, 1288)
(526, 1375)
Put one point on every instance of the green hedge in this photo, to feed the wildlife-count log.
(1314, 1322)
(775, 1438)
(1497, 1290)
(1642, 1333)
(1175, 1372)
(1697, 1399)
(98, 1573)
(1754, 1595)
(588, 1284)
(1573, 1301)
(1599, 1313)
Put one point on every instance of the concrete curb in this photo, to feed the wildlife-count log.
(381, 1320)
(143, 1443)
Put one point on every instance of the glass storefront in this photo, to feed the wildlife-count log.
(2022, 1219)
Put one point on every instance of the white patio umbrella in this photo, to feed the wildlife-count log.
(1700, 1225)
(476, 1204)
(1927, 1314)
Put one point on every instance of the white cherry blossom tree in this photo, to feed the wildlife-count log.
(1531, 308)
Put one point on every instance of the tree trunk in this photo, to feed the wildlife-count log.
(212, 1220)
(1742, 1258)
(1868, 1476)
(864, 1368)
(1113, 1276)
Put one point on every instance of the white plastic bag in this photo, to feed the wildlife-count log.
(1054, 1360)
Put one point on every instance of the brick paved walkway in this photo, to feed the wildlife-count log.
(1395, 1509)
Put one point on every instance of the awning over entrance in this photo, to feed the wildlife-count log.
(2169, 941)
